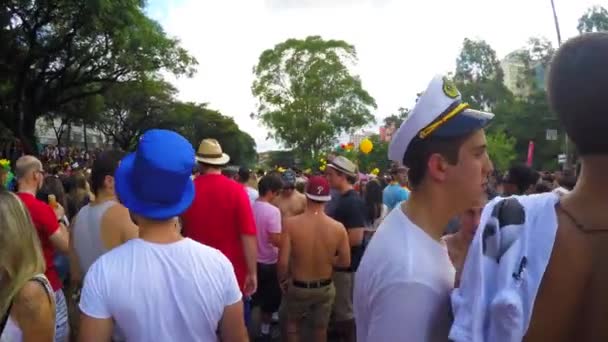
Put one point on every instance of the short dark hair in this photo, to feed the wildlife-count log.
(567, 182)
(244, 174)
(522, 176)
(577, 83)
(417, 156)
(269, 183)
(104, 165)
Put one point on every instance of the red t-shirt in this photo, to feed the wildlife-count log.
(220, 214)
(46, 224)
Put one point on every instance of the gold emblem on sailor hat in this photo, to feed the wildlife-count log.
(449, 88)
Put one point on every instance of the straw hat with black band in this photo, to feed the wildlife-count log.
(210, 152)
(344, 165)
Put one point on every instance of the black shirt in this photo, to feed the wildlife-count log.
(350, 210)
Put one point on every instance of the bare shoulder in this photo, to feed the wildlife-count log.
(338, 227)
(32, 301)
(301, 196)
(117, 213)
(116, 209)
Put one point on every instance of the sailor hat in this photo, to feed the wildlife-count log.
(439, 112)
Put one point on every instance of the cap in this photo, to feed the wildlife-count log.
(344, 165)
(317, 189)
(289, 178)
(438, 112)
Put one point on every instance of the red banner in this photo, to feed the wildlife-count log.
(530, 153)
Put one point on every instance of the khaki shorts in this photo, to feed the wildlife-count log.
(343, 305)
(313, 304)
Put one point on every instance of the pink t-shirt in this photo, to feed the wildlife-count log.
(267, 221)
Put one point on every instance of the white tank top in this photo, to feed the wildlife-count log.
(86, 231)
(12, 332)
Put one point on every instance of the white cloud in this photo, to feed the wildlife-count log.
(400, 44)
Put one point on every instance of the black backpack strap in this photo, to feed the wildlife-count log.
(5, 318)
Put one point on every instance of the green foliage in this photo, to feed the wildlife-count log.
(56, 52)
(377, 158)
(396, 119)
(197, 122)
(133, 107)
(307, 95)
(479, 76)
(594, 20)
(501, 149)
(523, 117)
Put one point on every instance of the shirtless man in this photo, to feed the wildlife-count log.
(572, 302)
(291, 202)
(312, 245)
(458, 243)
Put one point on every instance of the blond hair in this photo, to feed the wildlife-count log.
(21, 254)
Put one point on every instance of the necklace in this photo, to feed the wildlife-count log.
(579, 225)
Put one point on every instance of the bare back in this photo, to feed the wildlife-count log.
(315, 239)
(572, 301)
(293, 205)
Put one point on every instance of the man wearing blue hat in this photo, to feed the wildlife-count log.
(404, 280)
(161, 286)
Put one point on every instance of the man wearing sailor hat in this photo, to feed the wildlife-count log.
(403, 283)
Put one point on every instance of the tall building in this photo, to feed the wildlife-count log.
(46, 134)
(514, 69)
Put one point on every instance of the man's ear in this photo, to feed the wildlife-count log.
(437, 167)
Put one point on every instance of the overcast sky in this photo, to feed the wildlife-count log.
(401, 44)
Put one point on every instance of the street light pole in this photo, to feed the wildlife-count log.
(559, 34)
(559, 43)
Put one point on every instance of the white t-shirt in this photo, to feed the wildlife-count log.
(252, 193)
(402, 287)
(161, 292)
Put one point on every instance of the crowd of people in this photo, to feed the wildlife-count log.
(169, 244)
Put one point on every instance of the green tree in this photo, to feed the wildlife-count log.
(197, 122)
(594, 20)
(307, 94)
(377, 158)
(133, 107)
(531, 115)
(396, 119)
(479, 76)
(501, 149)
(56, 52)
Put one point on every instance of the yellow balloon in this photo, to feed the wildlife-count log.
(366, 146)
(322, 167)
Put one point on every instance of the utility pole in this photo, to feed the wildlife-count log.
(559, 43)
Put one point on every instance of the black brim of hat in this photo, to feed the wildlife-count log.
(464, 123)
(151, 210)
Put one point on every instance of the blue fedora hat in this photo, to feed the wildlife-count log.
(154, 181)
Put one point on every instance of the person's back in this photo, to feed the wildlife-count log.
(216, 218)
(312, 245)
(183, 281)
(291, 202)
(315, 240)
(102, 224)
(87, 234)
(290, 205)
(572, 304)
(161, 286)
